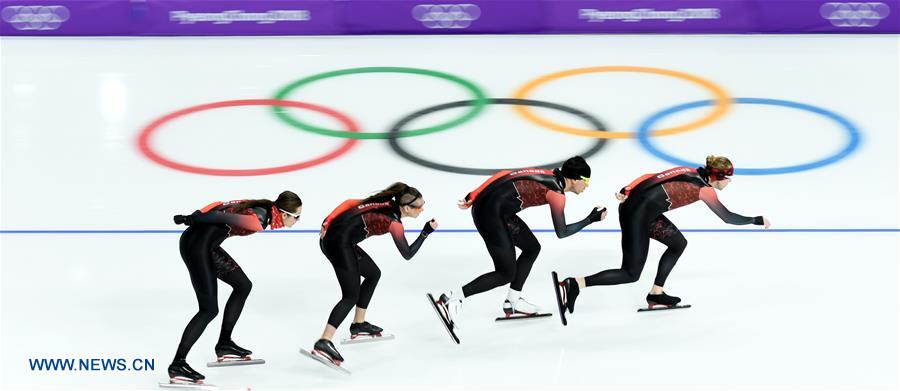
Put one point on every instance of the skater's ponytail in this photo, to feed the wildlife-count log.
(398, 193)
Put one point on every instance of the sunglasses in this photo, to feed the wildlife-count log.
(721, 174)
(294, 215)
(416, 207)
(410, 203)
(587, 181)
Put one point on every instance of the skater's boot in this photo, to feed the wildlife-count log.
(520, 307)
(570, 293)
(325, 349)
(181, 372)
(364, 329)
(662, 299)
(230, 350)
(451, 308)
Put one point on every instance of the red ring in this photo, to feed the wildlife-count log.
(144, 138)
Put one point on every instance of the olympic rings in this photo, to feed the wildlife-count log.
(722, 101)
(721, 104)
(147, 132)
(852, 143)
(397, 128)
(478, 105)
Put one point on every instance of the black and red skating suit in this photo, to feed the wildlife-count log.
(677, 187)
(342, 231)
(206, 260)
(494, 207)
(236, 223)
(352, 222)
(641, 218)
(240, 222)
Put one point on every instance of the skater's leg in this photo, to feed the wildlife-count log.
(359, 315)
(196, 249)
(371, 273)
(499, 244)
(524, 239)
(581, 282)
(241, 287)
(668, 234)
(346, 269)
(329, 331)
(635, 244)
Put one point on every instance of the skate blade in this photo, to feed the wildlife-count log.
(660, 307)
(325, 362)
(522, 316)
(366, 338)
(447, 325)
(188, 386)
(559, 303)
(235, 362)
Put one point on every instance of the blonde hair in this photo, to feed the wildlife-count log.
(718, 162)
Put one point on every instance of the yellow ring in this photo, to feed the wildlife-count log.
(722, 101)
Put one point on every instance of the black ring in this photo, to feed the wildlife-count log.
(398, 127)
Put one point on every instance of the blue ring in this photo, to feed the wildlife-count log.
(645, 128)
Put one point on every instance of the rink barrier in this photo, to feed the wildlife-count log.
(360, 17)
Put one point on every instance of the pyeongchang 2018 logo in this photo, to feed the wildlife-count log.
(446, 16)
(35, 17)
(854, 14)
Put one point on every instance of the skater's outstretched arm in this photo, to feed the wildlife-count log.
(708, 195)
(408, 251)
(557, 203)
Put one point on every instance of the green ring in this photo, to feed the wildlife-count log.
(479, 103)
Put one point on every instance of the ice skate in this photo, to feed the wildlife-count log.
(521, 309)
(325, 352)
(663, 301)
(229, 354)
(444, 311)
(562, 297)
(366, 332)
(181, 375)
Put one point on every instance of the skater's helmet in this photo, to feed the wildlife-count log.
(576, 168)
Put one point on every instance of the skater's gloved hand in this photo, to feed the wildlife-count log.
(182, 219)
(759, 220)
(621, 196)
(429, 227)
(463, 204)
(597, 214)
(186, 220)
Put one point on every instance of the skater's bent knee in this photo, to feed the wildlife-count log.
(244, 288)
(680, 244)
(373, 275)
(532, 248)
(632, 276)
(208, 314)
